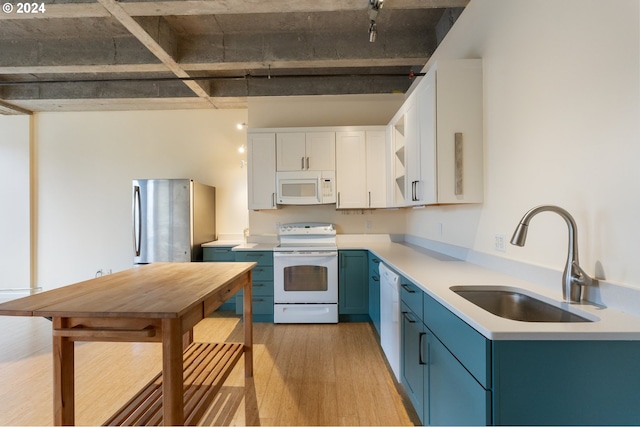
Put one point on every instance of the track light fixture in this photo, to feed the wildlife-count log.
(374, 8)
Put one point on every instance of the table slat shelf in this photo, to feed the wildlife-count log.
(206, 367)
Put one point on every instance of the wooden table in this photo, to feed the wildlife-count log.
(159, 302)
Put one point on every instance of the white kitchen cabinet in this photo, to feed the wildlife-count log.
(438, 137)
(451, 133)
(361, 164)
(298, 151)
(406, 153)
(261, 170)
(377, 167)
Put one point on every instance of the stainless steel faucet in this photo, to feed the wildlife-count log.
(573, 277)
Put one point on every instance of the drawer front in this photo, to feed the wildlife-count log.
(261, 257)
(262, 274)
(411, 295)
(261, 304)
(470, 347)
(260, 289)
(218, 254)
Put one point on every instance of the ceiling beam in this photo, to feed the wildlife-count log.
(126, 104)
(216, 7)
(160, 47)
(210, 66)
(12, 110)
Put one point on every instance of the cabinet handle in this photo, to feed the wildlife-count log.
(137, 219)
(250, 255)
(307, 163)
(258, 285)
(421, 360)
(273, 200)
(338, 199)
(369, 198)
(258, 299)
(376, 261)
(302, 163)
(414, 189)
(408, 288)
(375, 278)
(459, 166)
(408, 317)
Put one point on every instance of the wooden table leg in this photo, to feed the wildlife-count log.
(172, 377)
(248, 328)
(63, 377)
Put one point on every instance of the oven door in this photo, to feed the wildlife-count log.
(308, 277)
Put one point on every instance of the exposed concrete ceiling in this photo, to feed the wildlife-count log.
(79, 55)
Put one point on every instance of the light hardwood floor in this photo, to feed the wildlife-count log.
(303, 375)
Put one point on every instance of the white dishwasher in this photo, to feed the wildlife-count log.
(390, 317)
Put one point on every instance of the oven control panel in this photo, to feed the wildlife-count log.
(301, 229)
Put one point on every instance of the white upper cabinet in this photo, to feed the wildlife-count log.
(292, 151)
(351, 170)
(298, 151)
(459, 127)
(378, 154)
(361, 169)
(261, 170)
(439, 150)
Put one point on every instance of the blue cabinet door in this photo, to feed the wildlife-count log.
(413, 367)
(455, 397)
(374, 291)
(353, 286)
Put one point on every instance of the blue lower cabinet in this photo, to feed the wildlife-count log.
(470, 380)
(221, 254)
(438, 372)
(566, 382)
(353, 286)
(455, 397)
(414, 373)
(262, 289)
(374, 291)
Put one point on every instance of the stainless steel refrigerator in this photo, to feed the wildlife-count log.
(171, 219)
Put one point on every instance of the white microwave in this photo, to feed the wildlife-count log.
(306, 187)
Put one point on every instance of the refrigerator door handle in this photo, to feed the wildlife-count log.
(137, 220)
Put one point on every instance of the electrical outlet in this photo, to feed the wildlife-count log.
(500, 242)
(103, 272)
(367, 225)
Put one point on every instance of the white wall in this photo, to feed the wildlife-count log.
(15, 244)
(326, 110)
(562, 126)
(86, 162)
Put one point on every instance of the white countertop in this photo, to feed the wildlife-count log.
(255, 247)
(222, 243)
(435, 273)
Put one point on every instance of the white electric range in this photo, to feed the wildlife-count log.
(305, 274)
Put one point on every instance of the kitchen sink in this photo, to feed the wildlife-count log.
(512, 304)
